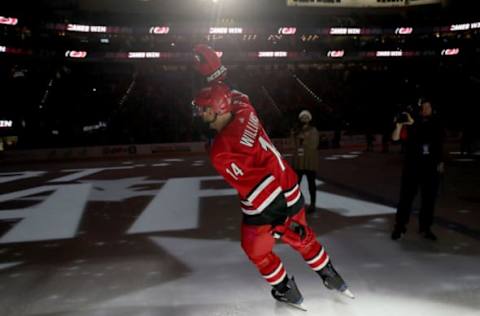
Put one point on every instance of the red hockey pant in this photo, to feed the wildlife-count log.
(258, 243)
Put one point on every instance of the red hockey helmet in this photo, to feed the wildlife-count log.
(208, 64)
(218, 96)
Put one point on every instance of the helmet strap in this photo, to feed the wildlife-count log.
(214, 119)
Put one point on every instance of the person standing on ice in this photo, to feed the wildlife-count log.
(270, 198)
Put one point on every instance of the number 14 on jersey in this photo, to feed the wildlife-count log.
(235, 170)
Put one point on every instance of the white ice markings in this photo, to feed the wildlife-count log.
(162, 164)
(198, 163)
(82, 173)
(14, 176)
(4, 266)
(351, 155)
(331, 158)
(169, 162)
(85, 172)
(457, 153)
(343, 205)
(176, 206)
(120, 189)
(55, 218)
(464, 160)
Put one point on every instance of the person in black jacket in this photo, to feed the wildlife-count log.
(422, 168)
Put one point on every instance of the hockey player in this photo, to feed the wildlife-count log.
(270, 198)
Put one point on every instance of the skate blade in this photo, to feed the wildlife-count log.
(348, 293)
(297, 306)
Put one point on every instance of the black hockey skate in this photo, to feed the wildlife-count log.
(398, 233)
(291, 295)
(333, 281)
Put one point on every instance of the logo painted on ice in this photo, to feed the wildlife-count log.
(58, 216)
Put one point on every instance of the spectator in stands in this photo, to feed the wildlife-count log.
(305, 159)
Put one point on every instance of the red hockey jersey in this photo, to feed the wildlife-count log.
(244, 155)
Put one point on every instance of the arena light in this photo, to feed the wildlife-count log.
(159, 30)
(86, 28)
(274, 37)
(3, 49)
(267, 54)
(8, 21)
(309, 37)
(383, 53)
(475, 25)
(98, 29)
(345, 31)
(450, 52)
(336, 53)
(75, 54)
(225, 30)
(338, 31)
(404, 30)
(218, 30)
(78, 28)
(5, 123)
(152, 55)
(136, 55)
(144, 55)
(249, 37)
(459, 27)
(288, 30)
(91, 128)
(235, 30)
